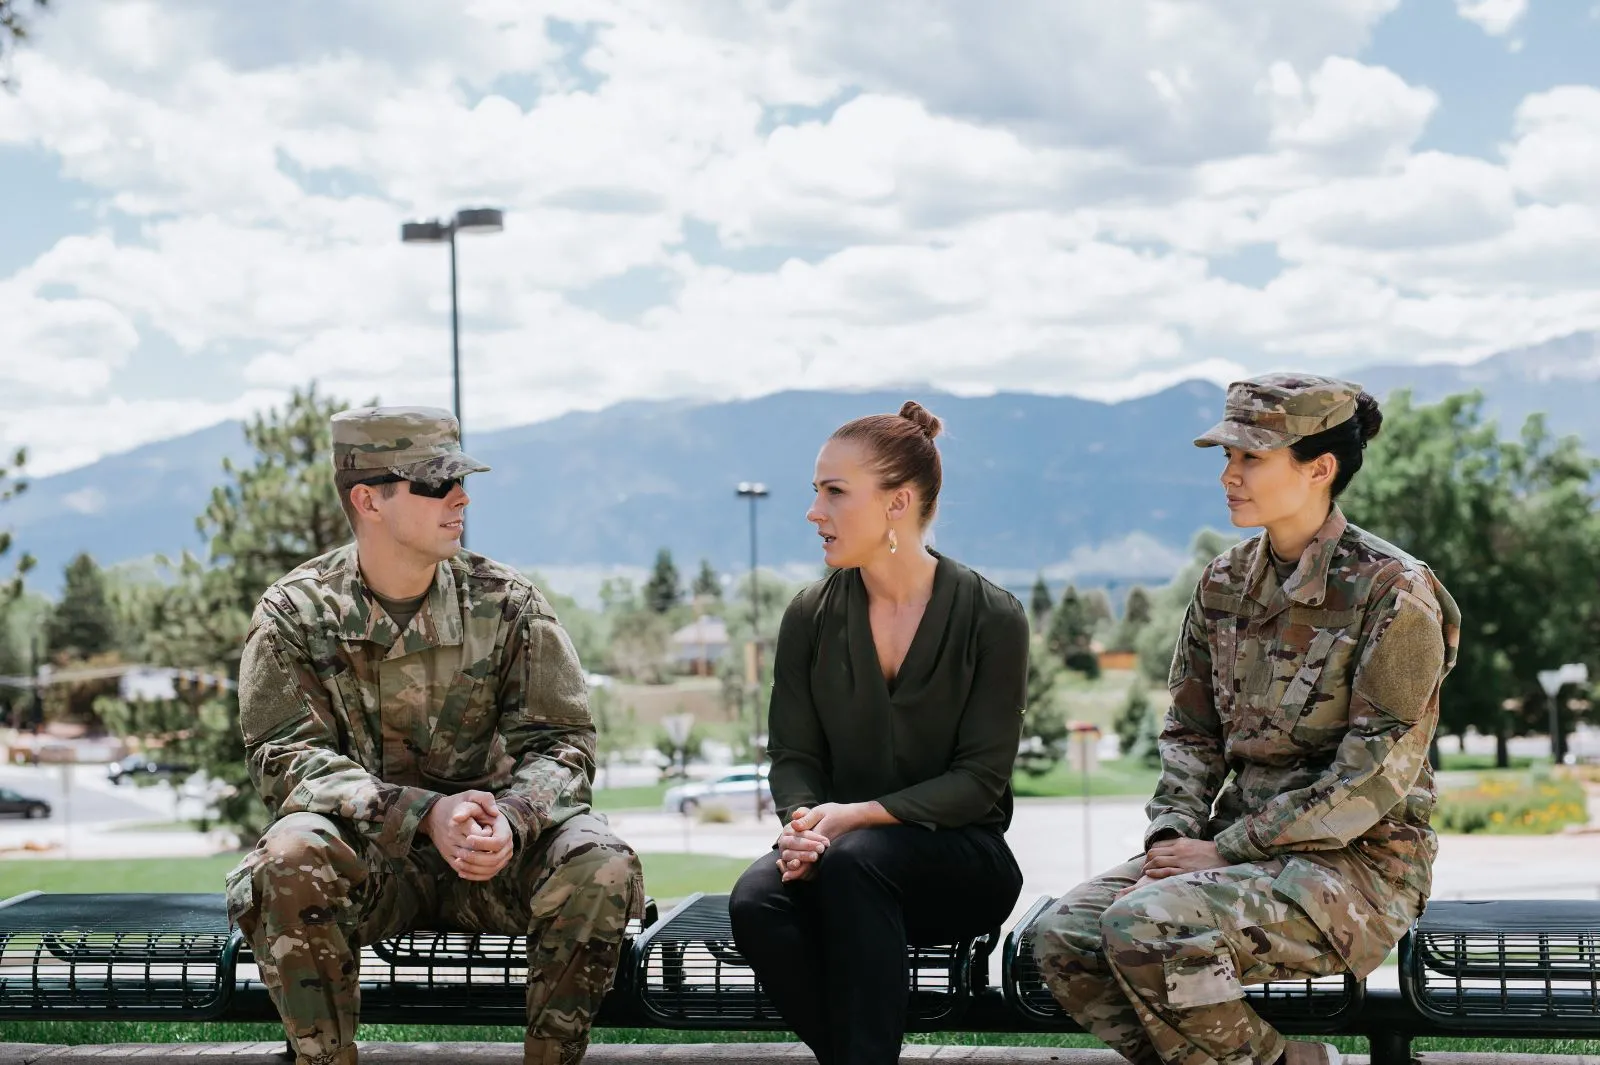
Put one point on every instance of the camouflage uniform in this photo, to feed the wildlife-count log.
(353, 730)
(1297, 741)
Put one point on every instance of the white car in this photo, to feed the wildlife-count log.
(734, 788)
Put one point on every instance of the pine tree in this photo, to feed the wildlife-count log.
(707, 584)
(662, 591)
(1135, 618)
(1136, 611)
(1039, 603)
(1070, 633)
(83, 623)
(264, 520)
(12, 473)
(15, 28)
(1097, 607)
(1044, 720)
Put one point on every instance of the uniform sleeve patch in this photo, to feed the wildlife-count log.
(1402, 668)
(269, 696)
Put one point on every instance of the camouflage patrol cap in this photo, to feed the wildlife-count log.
(1279, 409)
(417, 443)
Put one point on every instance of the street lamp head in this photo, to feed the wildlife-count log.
(430, 232)
(753, 489)
(480, 220)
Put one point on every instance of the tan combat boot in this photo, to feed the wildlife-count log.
(1300, 1052)
(553, 1051)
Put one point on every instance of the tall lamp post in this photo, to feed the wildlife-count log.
(754, 491)
(434, 231)
(1552, 681)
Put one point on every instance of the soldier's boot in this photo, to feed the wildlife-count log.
(553, 1051)
(1301, 1052)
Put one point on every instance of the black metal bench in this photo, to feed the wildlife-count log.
(689, 975)
(1323, 1006)
(146, 957)
(1512, 969)
(1506, 968)
(174, 957)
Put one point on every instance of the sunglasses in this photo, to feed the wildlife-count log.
(418, 488)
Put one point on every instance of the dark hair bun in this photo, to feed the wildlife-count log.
(1369, 419)
(913, 411)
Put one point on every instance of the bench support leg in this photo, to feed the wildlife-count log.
(1389, 1048)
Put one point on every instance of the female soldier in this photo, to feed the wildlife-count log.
(1289, 833)
(896, 710)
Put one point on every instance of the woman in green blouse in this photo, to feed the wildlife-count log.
(896, 712)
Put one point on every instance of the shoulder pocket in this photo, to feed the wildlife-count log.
(270, 696)
(1402, 667)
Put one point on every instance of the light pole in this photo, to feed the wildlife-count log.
(433, 231)
(1552, 681)
(754, 491)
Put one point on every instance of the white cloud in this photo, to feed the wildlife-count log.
(1434, 199)
(1346, 113)
(1556, 156)
(1039, 196)
(58, 347)
(60, 436)
(85, 501)
(1494, 17)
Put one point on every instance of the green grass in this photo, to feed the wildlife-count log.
(1117, 777)
(105, 1032)
(115, 874)
(641, 797)
(1099, 700)
(666, 876)
(163, 826)
(1451, 763)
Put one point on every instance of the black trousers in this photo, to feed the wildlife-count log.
(831, 950)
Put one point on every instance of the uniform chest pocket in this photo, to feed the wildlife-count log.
(465, 731)
(1308, 691)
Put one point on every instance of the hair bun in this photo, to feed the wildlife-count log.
(1369, 419)
(925, 420)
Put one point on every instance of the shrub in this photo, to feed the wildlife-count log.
(1513, 805)
(714, 813)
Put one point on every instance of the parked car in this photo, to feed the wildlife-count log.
(143, 766)
(14, 802)
(735, 788)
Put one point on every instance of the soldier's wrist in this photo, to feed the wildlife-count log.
(426, 826)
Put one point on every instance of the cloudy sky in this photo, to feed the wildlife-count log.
(718, 198)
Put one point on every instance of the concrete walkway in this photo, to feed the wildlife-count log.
(639, 1053)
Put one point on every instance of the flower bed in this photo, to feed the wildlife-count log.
(1532, 805)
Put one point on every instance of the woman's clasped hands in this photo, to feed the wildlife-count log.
(805, 838)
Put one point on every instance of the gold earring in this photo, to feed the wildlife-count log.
(894, 542)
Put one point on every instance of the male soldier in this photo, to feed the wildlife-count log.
(1289, 833)
(416, 720)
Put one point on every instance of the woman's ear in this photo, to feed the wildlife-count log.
(1324, 468)
(901, 501)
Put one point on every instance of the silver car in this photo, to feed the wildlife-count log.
(734, 788)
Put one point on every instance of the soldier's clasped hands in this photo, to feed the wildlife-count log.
(1169, 857)
(471, 833)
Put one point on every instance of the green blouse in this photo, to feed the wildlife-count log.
(937, 746)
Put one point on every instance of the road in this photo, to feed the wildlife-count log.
(90, 816)
(1058, 842)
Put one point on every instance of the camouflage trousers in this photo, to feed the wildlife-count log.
(1158, 974)
(312, 894)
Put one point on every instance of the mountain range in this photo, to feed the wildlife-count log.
(1098, 493)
